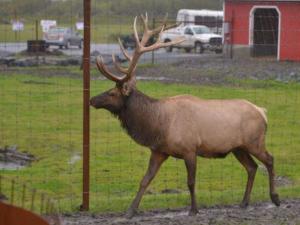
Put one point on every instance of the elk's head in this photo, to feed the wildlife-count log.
(114, 99)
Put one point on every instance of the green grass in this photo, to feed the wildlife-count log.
(43, 115)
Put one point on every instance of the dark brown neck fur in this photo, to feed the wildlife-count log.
(141, 118)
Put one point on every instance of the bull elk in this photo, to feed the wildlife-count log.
(184, 126)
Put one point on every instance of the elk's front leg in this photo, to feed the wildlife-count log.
(191, 165)
(155, 162)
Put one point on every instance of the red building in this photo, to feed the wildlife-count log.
(263, 28)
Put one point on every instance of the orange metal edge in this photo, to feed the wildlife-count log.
(13, 215)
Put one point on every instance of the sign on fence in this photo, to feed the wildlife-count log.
(17, 25)
(79, 25)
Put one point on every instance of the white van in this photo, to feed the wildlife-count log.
(210, 18)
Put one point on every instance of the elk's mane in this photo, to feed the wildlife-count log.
(142, 120)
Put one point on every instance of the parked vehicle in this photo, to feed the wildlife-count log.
(63, 37)
(210, 18)
(199, 38)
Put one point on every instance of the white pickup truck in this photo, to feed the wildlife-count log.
(197, 37)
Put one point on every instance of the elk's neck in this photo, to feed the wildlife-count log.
(141, 118)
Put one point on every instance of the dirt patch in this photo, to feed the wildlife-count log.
(263, 213)
(11, 158)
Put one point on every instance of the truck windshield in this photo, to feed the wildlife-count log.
(201, 30)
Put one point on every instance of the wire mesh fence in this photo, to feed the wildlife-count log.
(41, 110)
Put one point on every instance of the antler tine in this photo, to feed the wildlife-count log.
(128, 57)
(174, 42)
(118, 67)
(171, 26)
(145, 20)
(159, 34)
(102, 68)
(147, 33)
(159, 44)
(99, 64)
(133, 59)
(136, 36)
(139, 50)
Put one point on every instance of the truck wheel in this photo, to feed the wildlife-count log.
(199, 48)
(68, 44)
(170, 48)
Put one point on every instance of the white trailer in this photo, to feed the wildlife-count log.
(210, 18)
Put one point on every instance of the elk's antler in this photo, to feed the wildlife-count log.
(139, 50)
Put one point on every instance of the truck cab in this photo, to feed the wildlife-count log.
(197, 37)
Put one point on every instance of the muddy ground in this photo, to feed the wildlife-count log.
(215, 69)
(263, 213)
(11, 158)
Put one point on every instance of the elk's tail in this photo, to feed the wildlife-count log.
(263, 112)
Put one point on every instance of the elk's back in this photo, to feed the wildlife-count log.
(211, 127)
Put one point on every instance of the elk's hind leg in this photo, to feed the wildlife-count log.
(191, 164)
(250, 165)
(267, 159)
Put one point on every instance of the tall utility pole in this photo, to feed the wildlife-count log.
(86, 106)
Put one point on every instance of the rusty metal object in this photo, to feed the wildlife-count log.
(86, 107)
(18, 211)
(12, 215)
(36, 46)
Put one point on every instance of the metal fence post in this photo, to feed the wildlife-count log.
(86, 107)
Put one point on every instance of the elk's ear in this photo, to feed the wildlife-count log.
(128, 86)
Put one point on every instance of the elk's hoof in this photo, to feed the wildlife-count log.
(244, 205)
(193, 212)
(275, 199)
(130, 213)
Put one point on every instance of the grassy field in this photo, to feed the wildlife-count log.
(42, 115)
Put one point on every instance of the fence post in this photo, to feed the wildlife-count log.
(86, 107)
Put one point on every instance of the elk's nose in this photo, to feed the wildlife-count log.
(92, 102)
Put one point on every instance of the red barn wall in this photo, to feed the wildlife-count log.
(290, 31)
(239, 15)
